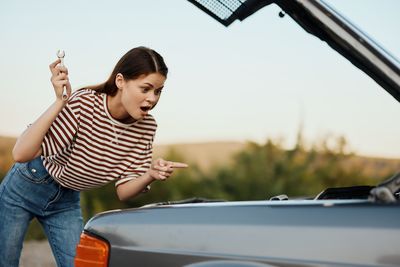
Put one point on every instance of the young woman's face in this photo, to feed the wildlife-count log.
(140, 95)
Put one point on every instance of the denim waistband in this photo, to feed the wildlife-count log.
(35, 171)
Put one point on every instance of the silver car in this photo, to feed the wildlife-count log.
(352, 226)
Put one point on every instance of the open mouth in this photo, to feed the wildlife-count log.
(145, 109)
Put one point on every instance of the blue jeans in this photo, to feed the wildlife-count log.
(26, 192)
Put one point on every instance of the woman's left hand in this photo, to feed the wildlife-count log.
(162, 169)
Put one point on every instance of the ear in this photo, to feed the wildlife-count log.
(119, 80)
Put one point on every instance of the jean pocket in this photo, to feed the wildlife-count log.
(34, 171)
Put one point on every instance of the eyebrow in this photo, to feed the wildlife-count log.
(152, 86)
(147, 83)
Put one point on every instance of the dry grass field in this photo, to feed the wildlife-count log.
(6, 145)
(205, 155)
(212, 154)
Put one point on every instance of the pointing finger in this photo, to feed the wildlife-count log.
(177, 164)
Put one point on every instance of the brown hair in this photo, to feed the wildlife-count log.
(136, 62)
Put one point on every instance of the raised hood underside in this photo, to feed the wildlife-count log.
(319, 19)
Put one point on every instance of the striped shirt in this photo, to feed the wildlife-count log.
(86, 147)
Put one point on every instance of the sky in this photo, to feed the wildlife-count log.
(261, 78)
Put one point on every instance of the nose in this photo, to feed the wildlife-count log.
(151, 98)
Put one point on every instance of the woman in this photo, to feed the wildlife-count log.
(102, 133)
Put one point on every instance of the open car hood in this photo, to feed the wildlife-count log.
(321, 20)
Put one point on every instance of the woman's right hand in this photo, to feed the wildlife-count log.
(59, 79)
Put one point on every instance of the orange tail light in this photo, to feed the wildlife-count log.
(91, 251)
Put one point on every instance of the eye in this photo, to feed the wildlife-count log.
(158, 91)
(145, 89)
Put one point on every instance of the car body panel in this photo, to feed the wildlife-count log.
(281, 233)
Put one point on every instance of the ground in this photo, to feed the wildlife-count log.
(37, 254)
